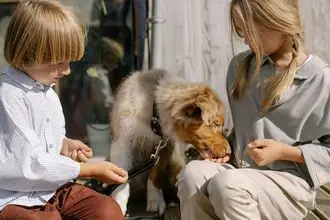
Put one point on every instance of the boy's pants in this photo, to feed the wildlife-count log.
(208, 190)
(71, 201)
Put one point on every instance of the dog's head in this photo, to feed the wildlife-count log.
(197, 115)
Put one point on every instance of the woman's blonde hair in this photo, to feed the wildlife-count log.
(43, 32)
(276, 15)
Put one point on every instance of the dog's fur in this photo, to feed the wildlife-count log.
(188, 112)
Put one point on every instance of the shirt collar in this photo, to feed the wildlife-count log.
(304, 71)
(24, 79)
(307, 70)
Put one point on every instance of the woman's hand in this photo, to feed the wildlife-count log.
(76, 150)
(105, 171)
(266, 151)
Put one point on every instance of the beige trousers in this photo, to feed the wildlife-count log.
(208, 190)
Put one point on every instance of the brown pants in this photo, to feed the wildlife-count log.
(71, 201)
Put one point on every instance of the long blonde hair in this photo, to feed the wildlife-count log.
(43, 32)
(277, 15)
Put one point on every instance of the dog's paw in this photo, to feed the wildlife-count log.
(155, 201)
(156, 205)
(152, 205)
(161, 206)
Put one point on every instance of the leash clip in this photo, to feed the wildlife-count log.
(162, 143)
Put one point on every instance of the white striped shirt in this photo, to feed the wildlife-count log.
(32, 128)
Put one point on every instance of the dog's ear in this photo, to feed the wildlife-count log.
(192, 112)
(187, 114)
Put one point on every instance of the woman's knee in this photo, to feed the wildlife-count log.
(231, 184)
(199, 171)
(192, 173)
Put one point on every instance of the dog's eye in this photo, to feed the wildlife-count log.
(219, 127)
(205, 146)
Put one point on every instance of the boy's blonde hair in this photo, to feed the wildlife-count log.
(43, 32)
(277, 15)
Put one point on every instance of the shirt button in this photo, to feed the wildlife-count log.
(50, 146)
(252, 138)
(261, 114)
(245, 164)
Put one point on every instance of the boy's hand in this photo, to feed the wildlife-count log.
(105, 171)
(76, 150)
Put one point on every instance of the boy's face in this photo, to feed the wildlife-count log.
(48, 74)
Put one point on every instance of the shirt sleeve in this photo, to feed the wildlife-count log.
(317, 163)
(25, 164)
(317, 153)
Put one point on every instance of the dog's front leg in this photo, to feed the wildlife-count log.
(120, 155)
(155, 199)
(121, 195)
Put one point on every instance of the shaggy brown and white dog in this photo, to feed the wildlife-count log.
(190, 113)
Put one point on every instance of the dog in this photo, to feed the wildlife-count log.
(188, 113)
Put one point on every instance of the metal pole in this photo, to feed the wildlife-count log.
(156, 37)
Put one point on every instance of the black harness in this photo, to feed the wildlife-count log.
(153, 160)
(155, 122)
